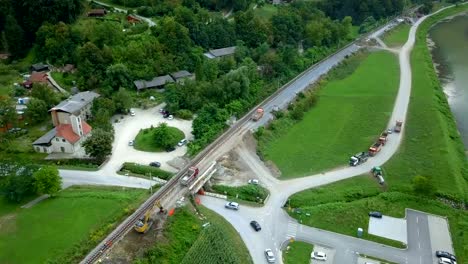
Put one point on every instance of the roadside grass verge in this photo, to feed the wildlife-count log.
(353, 108)
(397, 36)
(251, 193)
(64, 228)
(144, 171)
(145, 141)
(299, 252)
(185, 241)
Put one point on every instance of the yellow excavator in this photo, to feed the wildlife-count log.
(145, 222)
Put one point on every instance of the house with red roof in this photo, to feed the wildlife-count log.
(71, 129)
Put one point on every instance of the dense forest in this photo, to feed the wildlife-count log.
(110, 54)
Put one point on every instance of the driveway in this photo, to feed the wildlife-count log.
(128, 128)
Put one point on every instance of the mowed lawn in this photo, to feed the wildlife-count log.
(51, 228)
(349, 116)
(299, 252)
(398, 36)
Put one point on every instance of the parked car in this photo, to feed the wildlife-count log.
(170, 117)
(270, 257)
(169, 149)
(389, 131)
(132, 113)
(446, 261)
(318, 255)
(182, 142)
(155, 164)
(253, 181)
(255, 225)
(444, 254)
(375, 214)
(131, 142)
(161, 110)
(232, 205)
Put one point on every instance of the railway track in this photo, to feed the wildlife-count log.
(238, 129)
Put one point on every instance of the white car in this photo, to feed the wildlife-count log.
(232, 205)
(270, 256)
(131, 142)
(443, 260)
(132, 113)
(318, 255)
(170, 117)
(253, 181)
(182, 142)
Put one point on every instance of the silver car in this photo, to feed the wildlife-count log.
(270, 257)
(232, 205)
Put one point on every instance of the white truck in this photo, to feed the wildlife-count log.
(189, 176)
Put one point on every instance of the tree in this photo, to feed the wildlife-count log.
(46, 94)
(14, 36)
(118, 76)
(99, 144)
(287, 28)
(163, 136)
(174, 36)
(423, 185)
(47, 180)
(7, 111)
(122, 100)
(18, 182)
(37, 110)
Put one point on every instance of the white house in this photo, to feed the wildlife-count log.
(69, 118)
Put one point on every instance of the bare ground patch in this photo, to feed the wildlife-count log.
(8, 224)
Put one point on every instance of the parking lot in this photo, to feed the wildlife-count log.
(389, 227)
(128, 127)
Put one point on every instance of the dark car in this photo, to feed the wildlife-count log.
(256, 226)
(166, 114)
(375, 214)
(155, 164)
(443, 254)
(169, 149)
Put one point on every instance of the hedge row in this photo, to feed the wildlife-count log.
(146, 170)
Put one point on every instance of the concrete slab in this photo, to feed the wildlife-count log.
(440, 235)
(330, 255)
(389, 227)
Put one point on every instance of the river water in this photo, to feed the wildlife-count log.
(450, 54)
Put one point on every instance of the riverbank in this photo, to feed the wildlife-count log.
(448, 44)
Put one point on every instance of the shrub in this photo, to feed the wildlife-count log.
(184, 114)
(146, 170)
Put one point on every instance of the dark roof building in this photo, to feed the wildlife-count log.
(217, 53)
(38, 67)
(45, 139)
(156, 82)
(76, 102)
(97, 13)
(181, 75)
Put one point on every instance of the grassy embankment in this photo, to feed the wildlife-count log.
(299, 252)
(64, 228)
(398, 36)
(65, 80)
(431, 147)
(250, 194)
(144, 141)
(354, 105)
(186, 241)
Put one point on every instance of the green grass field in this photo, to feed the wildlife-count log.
(144, 140)
(266, 11)
(298, 253)
(431, 147)
(63, 227)
(352, 110)
(186, 241)
(397, 36)
(64, 80)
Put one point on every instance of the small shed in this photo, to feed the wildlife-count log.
(180, 76)
(39, 67)
(218, 53)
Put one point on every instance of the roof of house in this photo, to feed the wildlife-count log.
(155, 82)
(215, 53)
(66, 131)
(45, 139)
(39, 67)
(76, 102)
(38, 77)
(181, 74)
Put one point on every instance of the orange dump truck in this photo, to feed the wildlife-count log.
(383, 137)
(374, 149)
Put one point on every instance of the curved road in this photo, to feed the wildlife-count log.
(278, 226)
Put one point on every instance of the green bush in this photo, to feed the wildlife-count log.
(252, 193)
(184, 114)
(146, 170)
